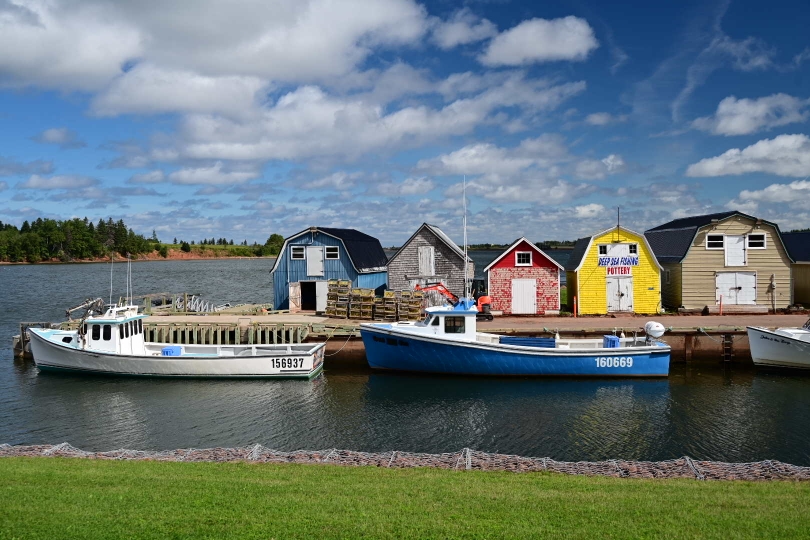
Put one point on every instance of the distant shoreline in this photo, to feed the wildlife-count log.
(173, 255)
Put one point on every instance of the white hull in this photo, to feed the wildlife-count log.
(246, 361)
(784, 347)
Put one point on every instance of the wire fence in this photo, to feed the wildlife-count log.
(465, 459)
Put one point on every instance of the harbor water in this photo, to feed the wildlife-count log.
(703, 410)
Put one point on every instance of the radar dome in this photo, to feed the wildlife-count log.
(654, 329)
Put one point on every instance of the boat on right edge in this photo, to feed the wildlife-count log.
(783, 347)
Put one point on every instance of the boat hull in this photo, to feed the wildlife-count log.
(390, 349)
(283, 362)
(772, 349)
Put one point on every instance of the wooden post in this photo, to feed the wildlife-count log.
(721, 304)
(575, 305)
(688, 346)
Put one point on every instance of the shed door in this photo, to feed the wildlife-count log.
(735, 250)
(314, 260)
(737, 287)
(321, 291)
(620, 293)
(295, 297)
(524, 296)
(427, 261)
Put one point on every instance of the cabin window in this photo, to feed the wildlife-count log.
(435, 321)
(298, 253)
(107, 334)
(602, 250)
(126, 330)
(121, 331)
(140, 326)
(454, 325)
(714, 241)
(96, 329)
(633, 249)
(67, 339)
(523, 258)
(756, 241)
(332, 252)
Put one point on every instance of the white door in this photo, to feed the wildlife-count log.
(735, 250)
(314, 260)
(620, 293)
(295, 297)
(737, 287)
(524, 296)
(321, 290)
(427, 261)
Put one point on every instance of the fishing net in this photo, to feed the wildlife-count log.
(465, 459)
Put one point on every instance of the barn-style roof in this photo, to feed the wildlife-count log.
(440, 234)
(583, 245)
(798, 245)
(514, 245)
(365, 252)
(671, 241)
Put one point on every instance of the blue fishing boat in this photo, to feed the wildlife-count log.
(447, 341)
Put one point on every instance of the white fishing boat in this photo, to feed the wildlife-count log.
(111, 341)
(783, 347)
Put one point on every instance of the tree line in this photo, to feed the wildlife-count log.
(77, 239)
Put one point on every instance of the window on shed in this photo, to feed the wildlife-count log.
(523, 258)
(714, 241)
(107, 334)
(96, 332)
(332, 252)
(454, 325)
(633, 249)
(668, 276)
(297, 253)
(756, 241)
(602, 250)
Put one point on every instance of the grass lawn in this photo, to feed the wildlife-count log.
(74, 498)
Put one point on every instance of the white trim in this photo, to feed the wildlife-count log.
(590, 244)
(764, 240)
(723, 247)
(599, 249)
(326, 256)
(514, 245)
(303, 254)
(529, 253)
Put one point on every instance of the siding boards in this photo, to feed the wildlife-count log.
(701, 265)
(449, 266)
(801, 284)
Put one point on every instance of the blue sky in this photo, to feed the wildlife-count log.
(240, 119)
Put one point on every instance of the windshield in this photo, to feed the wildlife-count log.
(426, 321)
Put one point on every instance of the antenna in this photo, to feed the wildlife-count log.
(618, 223)
(464, 222)
(112, 259)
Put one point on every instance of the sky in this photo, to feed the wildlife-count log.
(239, 119)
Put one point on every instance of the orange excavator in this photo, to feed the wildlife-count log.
(483, 302)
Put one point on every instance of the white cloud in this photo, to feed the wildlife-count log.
(462, 28)
(589, 211)
(215, 175)
(604, 119)
(57, 182)
(614, 164)
(340, 181)
(785, 155)
(599, 169)
(3, 186)
(308, 122)
(11, 167)
(541, 40)
(778, 193)
(744, 116)
(408, 187)
(152, 177)
(149, 89)
(63, 137)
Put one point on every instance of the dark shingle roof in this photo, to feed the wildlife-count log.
(577, 253)
(696, 221)
(365, 251)
(798, 245)
(670, 246)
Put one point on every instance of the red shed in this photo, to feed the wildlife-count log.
(524, 281)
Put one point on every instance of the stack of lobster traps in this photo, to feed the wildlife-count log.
(338, 298)
(361, 304)
(344, 302)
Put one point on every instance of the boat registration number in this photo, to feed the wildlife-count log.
(287, 363)
(617, 361)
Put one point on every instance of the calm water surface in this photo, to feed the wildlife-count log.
(702, 411)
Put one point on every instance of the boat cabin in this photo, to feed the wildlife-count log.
(119, 330)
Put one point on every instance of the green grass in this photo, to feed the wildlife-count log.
(74, 498)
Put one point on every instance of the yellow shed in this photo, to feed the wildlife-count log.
(614, 271)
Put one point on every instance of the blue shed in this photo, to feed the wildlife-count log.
(312, 257)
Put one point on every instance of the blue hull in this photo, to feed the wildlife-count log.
(405, 352)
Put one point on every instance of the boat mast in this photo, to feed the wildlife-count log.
(112, 259)
(464, 223)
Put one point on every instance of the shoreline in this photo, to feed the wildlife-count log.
(147, 258)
